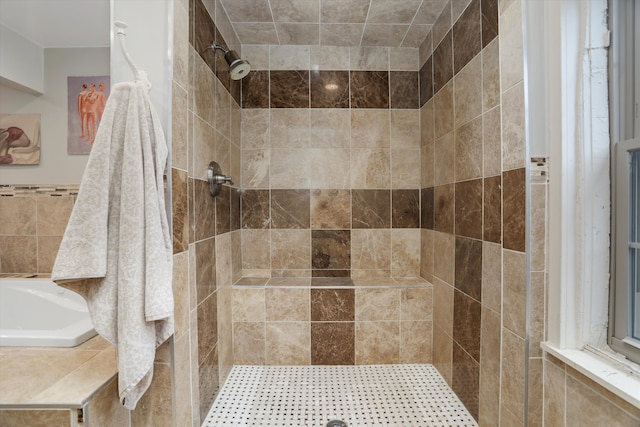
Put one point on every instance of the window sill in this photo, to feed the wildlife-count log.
(620, 382)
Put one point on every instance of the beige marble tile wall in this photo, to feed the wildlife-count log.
(330, 162)
(473, 204)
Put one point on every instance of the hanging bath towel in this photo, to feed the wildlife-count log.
(116, 251)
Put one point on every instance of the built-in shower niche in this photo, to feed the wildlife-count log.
(332, 321)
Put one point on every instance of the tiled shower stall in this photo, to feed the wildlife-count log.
(383, 211)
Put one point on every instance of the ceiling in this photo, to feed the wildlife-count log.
(392, 23)
(58, 23)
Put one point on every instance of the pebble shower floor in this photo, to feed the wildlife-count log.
(361, 396)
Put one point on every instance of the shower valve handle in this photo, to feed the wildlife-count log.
(216, 179)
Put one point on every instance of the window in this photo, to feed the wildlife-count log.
(624, 330)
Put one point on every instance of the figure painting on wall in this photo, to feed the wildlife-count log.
(87, 97)
(19, 139)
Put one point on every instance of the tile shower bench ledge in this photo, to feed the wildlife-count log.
(332, 282)
(49, 377)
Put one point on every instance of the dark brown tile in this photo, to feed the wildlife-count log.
(333, 343)
(426, 81)
(223, 211)
(370, 208)
(236, 90)
(289, 89)
(329, 89)
(468, 267)
(235, 209)
(209, 382)
(369, 89)
(207, 326)
(330, 273)
(467, 322)
(404, 90)
(331, 249)
(489, 9)
(465, 379)
(205, 206)
(405, 208)
(493, 209)
(255, 209)
(332, 281)
(192, 209)
(468, 207)
(204, 34)
(513, 210)
(180, 210)
(290, 209)
(427, 208)
(467, 36)
(332, 305)
(255, 90)
(443, 63)
(222, 68)
(205, 268)
(444, 214)
(330, 209)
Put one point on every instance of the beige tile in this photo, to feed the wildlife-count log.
(491, 75)
(256, 249)
(203, 97)
(444, 159)
(442, 353)
(442, 25)
(105, 409)
(289, 168)
(405, 58)
(181, 293)
(468, 150)
(290, 249)
(370, 128)
(298, 34)
(257, 55)
(511, 53)
(444, 112)
(289, 128)
(257, 32)
(288, 343)
(416, 341)
(330, 168)
(179, 127)
(538, 226)
(492, 142)
(255, 165)
(181, 44)
(182, 379)
(492, 276)
(377, 342)
(405, 168)
(443, 306)
(426, 254)
(341, 34)
(405, 252)
(513, 131)
(19, 254)
(444, 257)
(404, 132)
(223, 109)
(288, 305)
(508, 419)
(554, 395)
(223, 261)
(370, 168)
(35, 417)
(18, 215)
(514, 291)
(512, 382)
(53, 215)
(330, 57)
(289, 57)
(489, 399)
(377, 304)
(416, 304)
(536, 314)
(254, 128)
(535, 385)
(204, 145)
(427, 154)
(154, 408)
(370, 249)
(330, 128)
(369, 58)
(248, 305)
(47, 251)
(490, 343)
(331, 209)
(468, 92)
(249, 343)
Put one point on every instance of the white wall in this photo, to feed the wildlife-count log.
(56, 166)
(21, 62)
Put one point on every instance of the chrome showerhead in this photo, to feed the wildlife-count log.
(238, 67)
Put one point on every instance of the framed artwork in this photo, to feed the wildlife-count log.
(86, 99)
(19, 139)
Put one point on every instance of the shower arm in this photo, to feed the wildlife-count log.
(217, 46)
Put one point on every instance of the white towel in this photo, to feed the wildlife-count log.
(116, 251)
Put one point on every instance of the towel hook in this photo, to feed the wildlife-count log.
(216, 178)
(139, 75)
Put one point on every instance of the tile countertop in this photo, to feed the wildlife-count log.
(55, 377)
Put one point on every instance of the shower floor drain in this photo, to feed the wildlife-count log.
(314, 396)
(336, 423)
